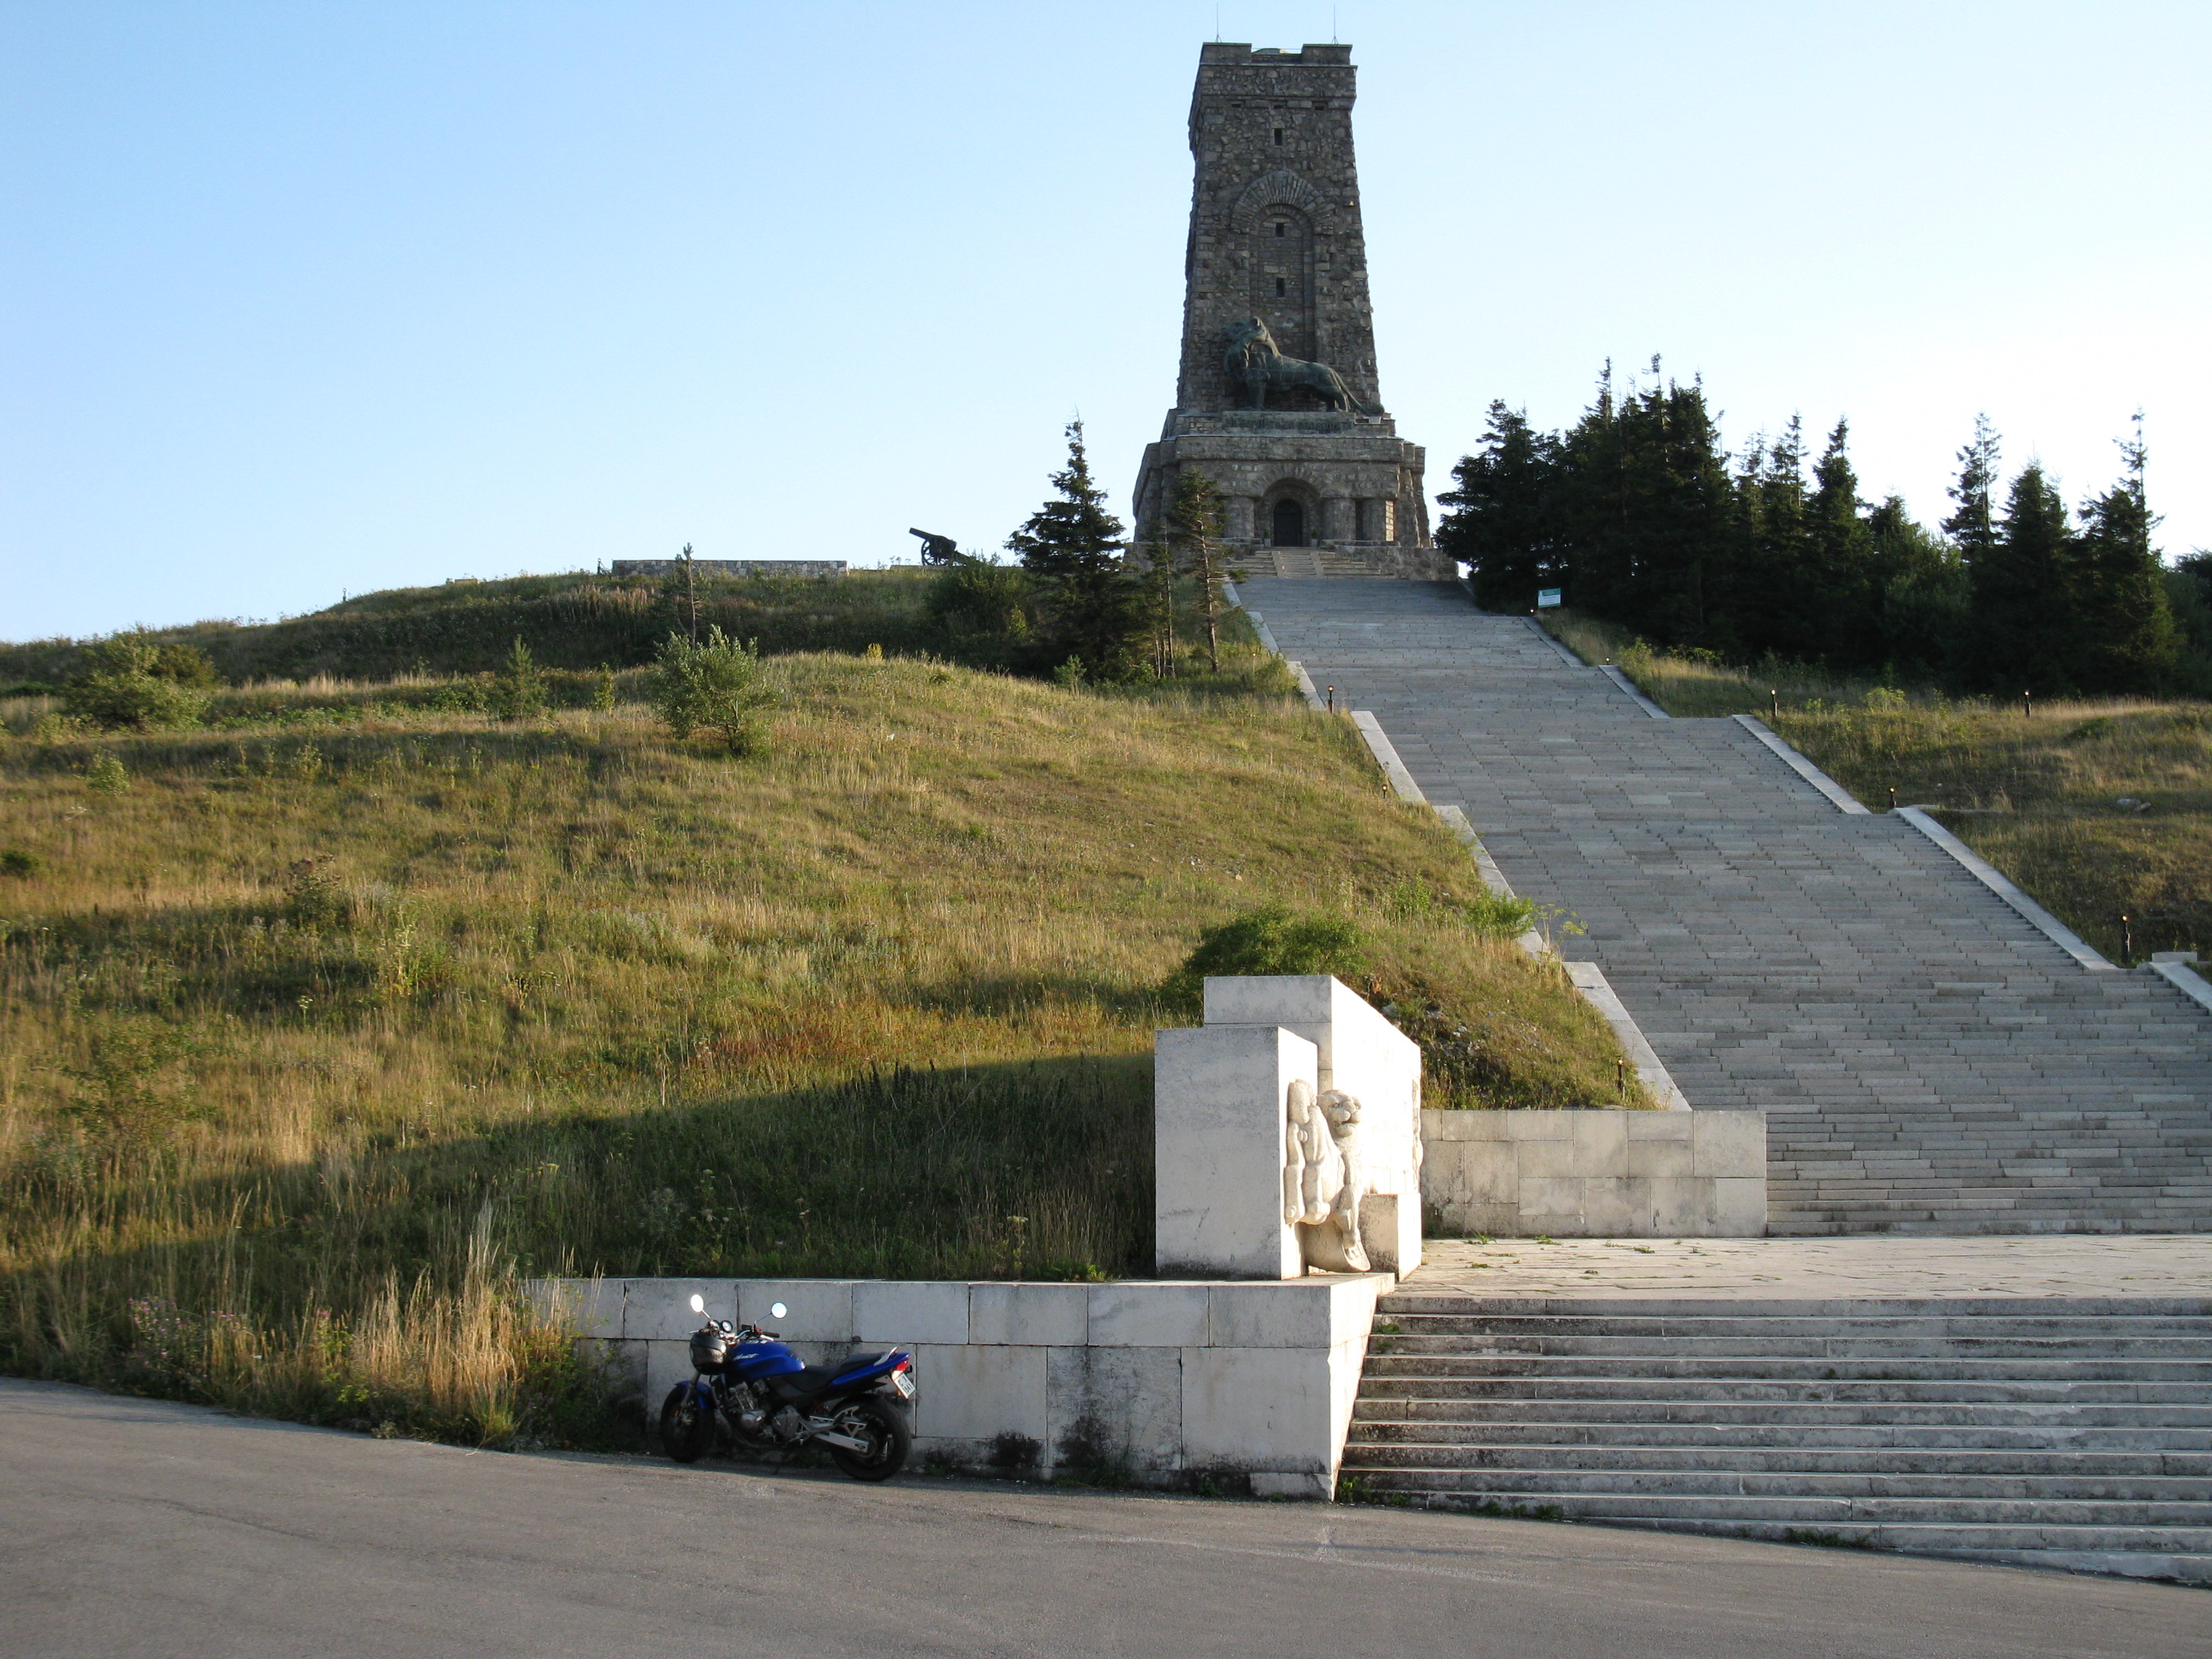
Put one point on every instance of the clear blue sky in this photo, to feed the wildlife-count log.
(303, 299)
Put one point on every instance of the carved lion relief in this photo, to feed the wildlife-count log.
(1323, 1178)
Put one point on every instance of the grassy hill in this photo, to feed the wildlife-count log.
(2100, 809)
(575, 620)
(319, 1025)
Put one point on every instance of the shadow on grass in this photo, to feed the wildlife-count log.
(999, 996)
(1037, 1169)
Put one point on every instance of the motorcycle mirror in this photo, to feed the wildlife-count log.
(698, 1303)
(777, 1310)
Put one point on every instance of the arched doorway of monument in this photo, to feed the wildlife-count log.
(1290, 523)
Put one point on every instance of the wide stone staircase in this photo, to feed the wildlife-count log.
(2072, 1433)
(1311, 561)
(1929, 1061)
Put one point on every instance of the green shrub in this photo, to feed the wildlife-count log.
(1267, 940)
(979, 600)
(14, 862)
(105, 776)
(187, 665)
(1491, 913)
(718, 686)
(603, 690)
(517, 688)
(132, 1085)
(130, 681)
(314, 897)
(457, 698)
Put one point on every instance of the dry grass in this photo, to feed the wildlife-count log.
(321, 1028)
(2037, 793)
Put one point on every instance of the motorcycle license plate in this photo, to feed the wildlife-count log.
(903, 1383)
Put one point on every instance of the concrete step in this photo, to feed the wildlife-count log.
(2180, 1476)
(2151, 1553)
(2176, 1568)
(2071, 1432)
(1446, 1426)
(1751, 1368)
(2003, 1350)
(1709, 1424)
(1908, 1328)
(1750, 1315)
(1785, 1503)
(1966, 1396)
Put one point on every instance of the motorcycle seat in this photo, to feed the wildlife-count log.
(811, 1379)
(861, 1359)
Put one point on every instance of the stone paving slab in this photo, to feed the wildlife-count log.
(1864, 1267)
(1929, 1061)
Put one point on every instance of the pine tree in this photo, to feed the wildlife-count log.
(1844, 605)
(1772, 596)
(1973, 527)
(1073, 545)
(1503, 524)
(1638, 507)
(2022, 586)
(1193, 527)
(2122, 628)
(679, 592)
(1921, 582)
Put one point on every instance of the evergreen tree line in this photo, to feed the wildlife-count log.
(1641, 516)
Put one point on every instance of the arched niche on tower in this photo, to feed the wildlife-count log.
(1279, 226)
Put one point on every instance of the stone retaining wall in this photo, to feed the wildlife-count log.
(729, 567)
(1595, 1175)
(1241, 1383)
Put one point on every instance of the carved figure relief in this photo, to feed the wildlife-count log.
(1255, 364)
(1323, 1178)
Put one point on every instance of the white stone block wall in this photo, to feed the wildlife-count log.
(1244, 1381)
(1219, 1119)
(1597, 1174)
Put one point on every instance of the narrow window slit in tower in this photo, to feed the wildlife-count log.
(1279, 287)
(1281, 229)
(1278, 135)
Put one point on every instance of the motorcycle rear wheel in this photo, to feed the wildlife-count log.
(884, 1426)
(686, 1431)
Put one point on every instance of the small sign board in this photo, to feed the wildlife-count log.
(1546, 598)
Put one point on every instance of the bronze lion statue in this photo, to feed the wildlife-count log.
(1256, 364)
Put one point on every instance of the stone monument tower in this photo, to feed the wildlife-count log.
(1278, 400)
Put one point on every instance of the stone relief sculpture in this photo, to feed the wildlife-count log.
(1255, 363)
(1322, 1180)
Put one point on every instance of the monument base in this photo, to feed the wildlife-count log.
(1342, 493)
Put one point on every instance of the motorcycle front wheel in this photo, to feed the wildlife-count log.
(883, 1426)
(686, 1431)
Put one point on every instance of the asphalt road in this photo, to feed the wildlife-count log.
(131, 1526)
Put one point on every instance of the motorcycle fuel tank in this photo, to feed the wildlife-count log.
(754, 1360)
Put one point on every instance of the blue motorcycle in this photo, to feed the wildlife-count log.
(769, 1401)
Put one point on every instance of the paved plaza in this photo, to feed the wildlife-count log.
(1929, 1061)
